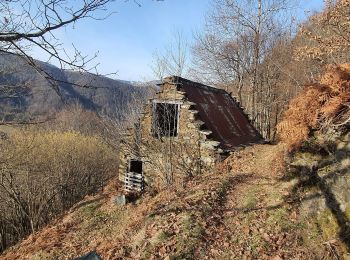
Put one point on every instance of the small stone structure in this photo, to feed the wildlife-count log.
(184, 131)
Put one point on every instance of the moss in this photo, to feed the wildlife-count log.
(186, 241)
(255, 242)
(195, 195)
(308, 156)
(251, 202)
(139, 238)
(311, 232)
(347, 212)
(275, 217)
(97, 220)
(311, 190)
(207, 210)
(328, 224)
(327, 169)
(150, 245)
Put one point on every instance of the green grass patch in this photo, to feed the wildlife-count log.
(89, 210)
(163, 236)
(95, 221)
(281, 218)
(190, 237)
(250, 198)
(42, 255)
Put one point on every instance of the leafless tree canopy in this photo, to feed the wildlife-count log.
(25, 24)
(235, 50)
(173, 59)
(32, 24)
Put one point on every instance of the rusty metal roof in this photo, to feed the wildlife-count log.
(221, 114)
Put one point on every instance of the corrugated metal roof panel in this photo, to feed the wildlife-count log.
(221, 114)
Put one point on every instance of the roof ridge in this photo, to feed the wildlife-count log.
(179, 80)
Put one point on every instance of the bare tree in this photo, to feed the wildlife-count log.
(125, 116)
(43, 173)
(238, 39)
(25, 25)
(325, 38)
(173, 59)
(28, 24)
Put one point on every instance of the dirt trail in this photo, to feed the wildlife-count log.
(256, 220)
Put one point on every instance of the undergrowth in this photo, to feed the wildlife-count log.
(320, 106)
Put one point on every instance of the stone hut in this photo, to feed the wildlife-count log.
(184, 131)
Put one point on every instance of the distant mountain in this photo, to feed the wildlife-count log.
(24, 93)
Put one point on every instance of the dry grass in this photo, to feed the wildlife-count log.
(237, 212)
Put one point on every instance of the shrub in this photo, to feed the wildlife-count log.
(320, 106)
(44, 173)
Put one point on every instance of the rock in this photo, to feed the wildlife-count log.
(89, 256)
(120, 200)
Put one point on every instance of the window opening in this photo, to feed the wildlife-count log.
(135, 166)
(165, 119)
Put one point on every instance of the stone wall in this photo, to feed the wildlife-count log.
(170, 159)
(324, 185)
(332, 169)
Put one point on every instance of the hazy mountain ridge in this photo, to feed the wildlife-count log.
(24, 93)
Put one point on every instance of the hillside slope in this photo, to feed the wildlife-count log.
(24, 93)
(246, 209)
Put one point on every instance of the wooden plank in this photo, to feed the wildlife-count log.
(133, 181)
(132, 189)
(132, 186)
(135, 175)
(133, 178)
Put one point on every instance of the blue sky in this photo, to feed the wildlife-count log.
(127, 40)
